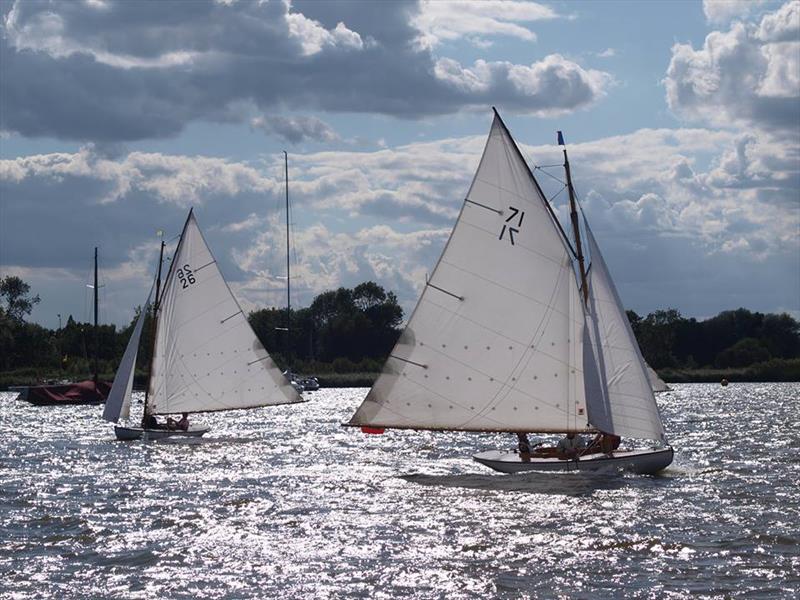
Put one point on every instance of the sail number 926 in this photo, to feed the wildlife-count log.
(508, 226)
(186, 276)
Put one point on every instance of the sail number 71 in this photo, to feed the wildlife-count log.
(515, 214)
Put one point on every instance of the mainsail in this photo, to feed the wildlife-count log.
(206, 356)
(119, 398)
(495, 341)
(500, 339)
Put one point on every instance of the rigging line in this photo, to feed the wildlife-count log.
(551, 176)
(540, 167)
(557, 194)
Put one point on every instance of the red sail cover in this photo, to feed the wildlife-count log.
(82, 392)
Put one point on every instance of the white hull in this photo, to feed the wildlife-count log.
(645, 462)
(135, 433)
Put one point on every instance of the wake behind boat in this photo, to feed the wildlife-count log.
(513, 333)
(206, 357)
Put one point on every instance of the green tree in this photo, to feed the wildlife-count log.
(16, 295)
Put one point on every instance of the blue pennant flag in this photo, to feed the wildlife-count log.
(560, 139)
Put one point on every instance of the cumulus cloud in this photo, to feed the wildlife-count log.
(746, 76)
(444, 21)
(295, 129)
(133, 71)
(694, 205)
(721, 12)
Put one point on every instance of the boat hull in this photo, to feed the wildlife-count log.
(645, 462)
(82, 392)
(136, 433)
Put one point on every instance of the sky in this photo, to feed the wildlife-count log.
(682, 121)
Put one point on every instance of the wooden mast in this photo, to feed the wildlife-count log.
(153, 330)
(573, 215)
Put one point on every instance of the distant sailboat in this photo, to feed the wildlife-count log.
(90, 391)
(656, 383)
(206, 356)
(506, 338)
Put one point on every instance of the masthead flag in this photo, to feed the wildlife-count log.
(560, 139)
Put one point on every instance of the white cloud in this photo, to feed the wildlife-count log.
(551, 86)
(313, 37)
(671, 199)
(738, 79)
(441, 21)
(607, 53)
(782, 25)
(295, 128)
(721, 12)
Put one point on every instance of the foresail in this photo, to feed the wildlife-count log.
(118, 403)
(656, 383)
(207, 357)
(623, 379)
(495, 341)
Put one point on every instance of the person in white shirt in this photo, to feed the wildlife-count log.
(570, 447)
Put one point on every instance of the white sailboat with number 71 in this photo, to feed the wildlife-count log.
(512, 333)
(206, 356)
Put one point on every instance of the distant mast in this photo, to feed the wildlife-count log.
(96, 337)
(288, 271)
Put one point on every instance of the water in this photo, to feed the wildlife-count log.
(284, 502)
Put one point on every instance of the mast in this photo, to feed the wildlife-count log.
(573, 215)
(153, 331)
(96, 338)
(288, 271)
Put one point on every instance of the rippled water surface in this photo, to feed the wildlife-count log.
(284, 502)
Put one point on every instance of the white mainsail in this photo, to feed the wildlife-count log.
(207, 357)
(118, 403)
(623, 379)
(495, 342)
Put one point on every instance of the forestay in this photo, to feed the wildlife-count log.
(495, 341)
(207, 357)
(624, 385)
(118, 403)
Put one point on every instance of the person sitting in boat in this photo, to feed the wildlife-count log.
(150, 422)
(571, 446)
(182, 425)
(523, 445)
(605, 443)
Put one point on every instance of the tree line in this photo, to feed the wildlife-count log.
(353, 330)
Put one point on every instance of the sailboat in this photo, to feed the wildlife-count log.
(90, 391)
(206, 357)
(512, 333)
(656, 383)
